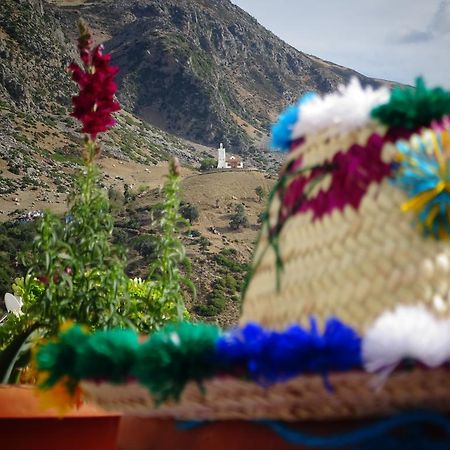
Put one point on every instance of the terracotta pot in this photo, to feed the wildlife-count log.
(158, 434)
(25, 426)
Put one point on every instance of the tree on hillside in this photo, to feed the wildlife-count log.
(189, 212)
(239, 218)
(208, 164)
(260, 193)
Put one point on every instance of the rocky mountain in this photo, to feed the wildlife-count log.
(36, 91)
(39, 143)
(33, 55)
(203, 69)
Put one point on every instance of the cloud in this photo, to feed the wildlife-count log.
(440, 23)
(392, 39)
(438, 27)
(412, 37)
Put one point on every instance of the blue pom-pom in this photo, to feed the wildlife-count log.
(282, 130)
(339, 348)
(272, 356)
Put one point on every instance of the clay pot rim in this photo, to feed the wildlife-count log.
(21, 402)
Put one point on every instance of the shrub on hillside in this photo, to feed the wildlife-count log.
(227, 258)
(260, 193)
(204, 243)
(145, 245)
(208, 164)
(189, 212)
(214, 305)
(239, 218)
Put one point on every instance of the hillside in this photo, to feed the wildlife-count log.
(36, 90)
(203, 69)
(39, 142)
(218, 253)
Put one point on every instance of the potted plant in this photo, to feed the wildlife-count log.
(77, 275)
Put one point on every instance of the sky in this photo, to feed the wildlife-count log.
(390, 39)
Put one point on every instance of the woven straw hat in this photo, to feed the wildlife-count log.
(346, 234)
(346, 310)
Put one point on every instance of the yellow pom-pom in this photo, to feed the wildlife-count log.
(61, 397)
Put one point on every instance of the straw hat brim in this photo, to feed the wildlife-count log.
(352, 395)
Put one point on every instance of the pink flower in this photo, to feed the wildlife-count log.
(95, 103)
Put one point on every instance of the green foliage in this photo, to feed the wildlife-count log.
(15, 239)
(202, 63)
(239, 218)
(15, 336)
(226, 287)
(146, 310)
(73, 271)
(227, 258)
(16, 330)
(65, 157)
(173, 356)
(82, 272)
(14, 169)
(216, 301)
(223, 288)
(231, 283)
(208, 164)
(189, 212)
(145, 245)
(160, 298)
(194, 233)
(214, 305)
(143, 188)
(30, 289)
(413, 108)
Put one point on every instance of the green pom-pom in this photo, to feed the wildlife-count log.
(173, 356)
(414, 108)
(108, 355)
(59, 358)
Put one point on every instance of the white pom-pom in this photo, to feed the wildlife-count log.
(347, 109)
(407, 332)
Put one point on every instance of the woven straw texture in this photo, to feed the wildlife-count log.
(301, 398)
(354, 264)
